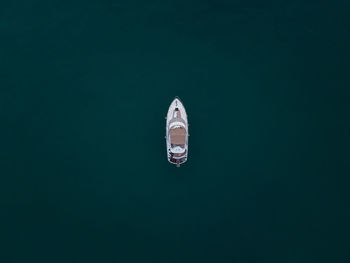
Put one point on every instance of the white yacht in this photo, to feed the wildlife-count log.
(177, 133)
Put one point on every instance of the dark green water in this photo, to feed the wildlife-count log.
(84, 90)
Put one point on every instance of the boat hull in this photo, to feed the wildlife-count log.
(176, 119)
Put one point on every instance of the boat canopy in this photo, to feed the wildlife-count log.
(178, 135)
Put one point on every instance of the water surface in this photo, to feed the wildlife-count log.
(85, 87)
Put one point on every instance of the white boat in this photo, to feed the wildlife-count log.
(177, 133)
